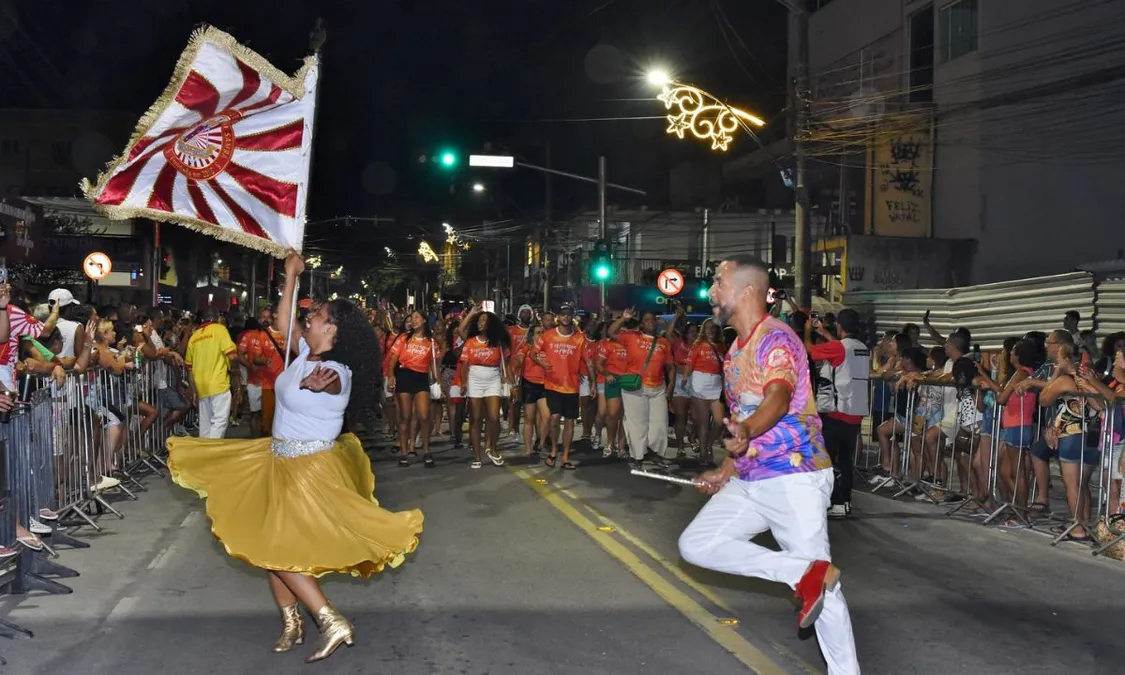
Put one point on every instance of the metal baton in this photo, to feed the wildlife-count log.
(664, 477)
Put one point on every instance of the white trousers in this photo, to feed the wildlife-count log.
(646, 420)
(214, 415)
(794, 509)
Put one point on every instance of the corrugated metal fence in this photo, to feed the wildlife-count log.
(996, 311)
(1111, 306)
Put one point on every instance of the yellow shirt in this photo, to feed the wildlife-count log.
(207, 353)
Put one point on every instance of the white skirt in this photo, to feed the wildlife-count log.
(484, 381)
(707, 386)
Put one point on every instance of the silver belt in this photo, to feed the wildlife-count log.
(284, 447)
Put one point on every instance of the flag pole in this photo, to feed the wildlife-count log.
(316, 42)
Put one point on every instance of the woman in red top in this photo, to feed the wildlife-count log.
(483, 369)
(681, 393)
(611, 362)
(535, 413)
(393, 334)
(705, 379)
(592, 420)
(412, 365)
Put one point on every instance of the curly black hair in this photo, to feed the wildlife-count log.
(494, 331)
(357, 348)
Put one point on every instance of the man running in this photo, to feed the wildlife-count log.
(777, 476)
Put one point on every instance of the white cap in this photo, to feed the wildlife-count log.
(63, 297)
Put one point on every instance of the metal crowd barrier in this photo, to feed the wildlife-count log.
(908, 473)
(59, 443)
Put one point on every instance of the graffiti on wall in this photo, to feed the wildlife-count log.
(901, 178)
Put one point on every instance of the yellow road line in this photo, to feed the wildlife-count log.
(738, 646)
(685, 578)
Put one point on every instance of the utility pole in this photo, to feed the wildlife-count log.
(799, 103)
(602, 222)
(545, 233)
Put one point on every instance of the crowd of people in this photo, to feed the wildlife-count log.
(749, 394)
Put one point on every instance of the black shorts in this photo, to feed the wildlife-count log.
(410, 381)
(531, 392)
(562, 404)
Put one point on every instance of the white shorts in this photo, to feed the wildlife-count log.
(254, 397)
(707, 386)
(584, 387)
(484, 381)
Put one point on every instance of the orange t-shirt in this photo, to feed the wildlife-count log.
(390, 344)
(478, 353)
(705, 358)
(566, 355)
(637, 345)
(616, 357)
(681, 351)
(591, 354)
(519, 336)
(532, 371)
(415, 354)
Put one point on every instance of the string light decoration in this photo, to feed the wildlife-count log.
(704, 116)
(427, 253)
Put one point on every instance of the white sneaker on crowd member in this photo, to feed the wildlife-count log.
(37, 527)
(48, 514)
(105, 483)
(838, 511)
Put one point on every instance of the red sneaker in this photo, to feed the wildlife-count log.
(821, 577)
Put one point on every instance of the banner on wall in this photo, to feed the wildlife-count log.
(900, 182)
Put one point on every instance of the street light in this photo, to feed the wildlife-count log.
(478, 187)
(700, 113)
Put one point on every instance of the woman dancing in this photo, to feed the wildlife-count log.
(300, 504)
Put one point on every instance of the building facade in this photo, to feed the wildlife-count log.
(45, 153)
(976, 120)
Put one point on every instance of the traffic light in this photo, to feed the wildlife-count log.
(601, 264)
(704, 291)
(447, 159)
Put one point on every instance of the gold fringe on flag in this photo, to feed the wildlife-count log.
(293, 84)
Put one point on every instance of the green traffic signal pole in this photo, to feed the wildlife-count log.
(602, 184)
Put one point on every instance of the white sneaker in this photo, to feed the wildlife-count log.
(105, 483)
(838, 511)
(38, 528)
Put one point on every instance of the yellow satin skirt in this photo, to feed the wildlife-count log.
(315, 514)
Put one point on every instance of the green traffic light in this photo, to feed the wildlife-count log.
(704, 292)
(448, 159)
(601, 272)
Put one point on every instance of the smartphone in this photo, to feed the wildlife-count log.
(488, 305)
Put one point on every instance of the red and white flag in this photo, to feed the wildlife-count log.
(225, 150)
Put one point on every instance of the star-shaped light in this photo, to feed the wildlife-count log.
(719, 141)
(678, 124)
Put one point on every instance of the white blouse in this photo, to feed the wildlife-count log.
(302, 415)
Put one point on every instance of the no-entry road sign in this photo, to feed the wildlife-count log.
(670, 282)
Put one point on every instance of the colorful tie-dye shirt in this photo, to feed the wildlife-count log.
(774, 353)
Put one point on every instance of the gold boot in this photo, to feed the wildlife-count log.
(334, 631)
(292, 629)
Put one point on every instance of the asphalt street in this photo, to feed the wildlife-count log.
(523, 569)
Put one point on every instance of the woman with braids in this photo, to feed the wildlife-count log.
(484, 370)
(300, 504)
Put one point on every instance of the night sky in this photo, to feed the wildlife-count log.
(403, 79)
